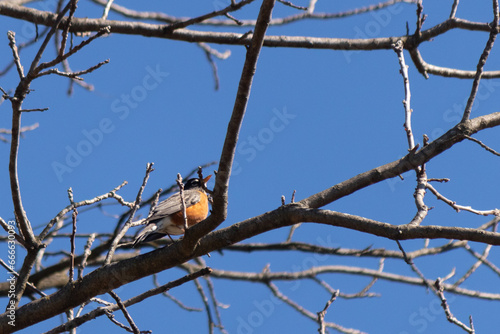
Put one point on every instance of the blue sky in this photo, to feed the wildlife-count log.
(315, 118)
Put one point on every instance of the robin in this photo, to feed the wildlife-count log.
(167, 217)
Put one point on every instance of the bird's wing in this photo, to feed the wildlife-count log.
(173, 204)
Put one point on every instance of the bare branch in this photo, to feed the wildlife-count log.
(228, 150)
(204, 299)
(419, 195)
(439, 291)
(476, 265)
(420, 19)
(63, 212)
(457, 207)
(289, 4)
(481, 63)
(175, 300)
(321, 314)
(12, 38)
(482, 145)
(13, 272)
(34, 64)
(162, 17)
(398, 48)
(104, 31)
(483, 259)
(73, 233)
(315, 271)
(134, 300)
(105, 13)
(367, 252)
(122, 307)
(138, 28)
(67, 26)
(136, 206)
(308, 313)
(115, 269)
(185, 23)
(86, 253)
(183, 202)
(425, 68)
(454, 8)
(10, 229)
(409, 162)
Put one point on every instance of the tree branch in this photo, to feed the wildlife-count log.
(220, 195)
(193, 36)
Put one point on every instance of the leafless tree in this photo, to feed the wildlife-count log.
(82, 275)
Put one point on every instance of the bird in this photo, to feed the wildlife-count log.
(167, 217)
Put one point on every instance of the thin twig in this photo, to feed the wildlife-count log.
(164, 18)
(136, 206)
(220, 55)
(289, 4)
(65, 32)
(482, 145)
(199, 19)
(22, 46)
(457, 207)
(175, 300)
(204, 298)
(398, 47)
(274, 289)
(55, 26)
(431, 179)
(33, 109)
(10, 230)
(183, 202)
(215, 72)
(483, 259)
(13, 272)
(321, 314)
(419, 195)
(63, 212)
(111, 317)
(229, 16)
(72, 239)
(103, 31)
(86, 253)
(454, 8)
(420, 19)
(476, 265)
(412, 265)
(15, 53)
(481, 63)
(106, 9)
(216, 304)
(127, 315)
(439, 291)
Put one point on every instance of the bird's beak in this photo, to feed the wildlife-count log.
(205, 180)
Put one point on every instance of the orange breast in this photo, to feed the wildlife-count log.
(195, 213)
